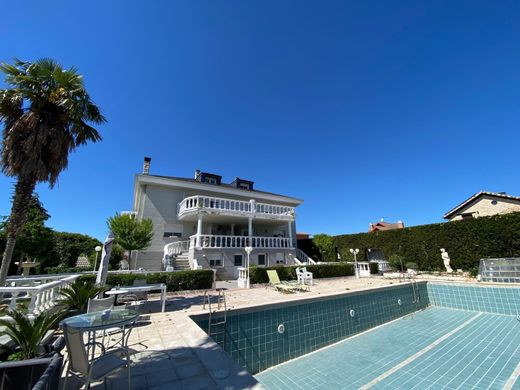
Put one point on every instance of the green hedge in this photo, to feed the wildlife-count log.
(66, 270)
(175, 281)
(466, 241)
(259, 274)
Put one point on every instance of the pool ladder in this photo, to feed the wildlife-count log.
(220, 321)
(413, 283)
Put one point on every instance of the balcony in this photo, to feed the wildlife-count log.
(190, 207)
(213, 241)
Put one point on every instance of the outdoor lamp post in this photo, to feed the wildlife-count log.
(355, 252)
(248, 250)
(97, 249)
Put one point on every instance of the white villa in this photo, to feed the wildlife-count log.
(201, 222)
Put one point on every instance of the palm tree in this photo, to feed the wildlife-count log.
(46, 112)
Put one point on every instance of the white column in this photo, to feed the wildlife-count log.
(289, 231)
(250, 231)
(199, 231)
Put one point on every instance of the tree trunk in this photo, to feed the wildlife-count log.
(22, 196)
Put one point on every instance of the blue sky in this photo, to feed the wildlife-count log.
(363, 109)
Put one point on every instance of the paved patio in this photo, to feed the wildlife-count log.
(172, 352)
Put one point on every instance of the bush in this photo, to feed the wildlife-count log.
(466, 241)
(259, 274)
(66, 270)
(374, 268)
(175, 281)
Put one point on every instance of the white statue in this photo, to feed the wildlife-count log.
(446, 260)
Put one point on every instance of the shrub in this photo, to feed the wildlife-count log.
(397, 262)
(66, 270)
(28, 334)
(466, 241)
(77, 295)
(374, 268)
(175, 281)
(259, 274)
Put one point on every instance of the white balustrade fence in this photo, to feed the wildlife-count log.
(213, 241)
(43, 291)
(302, 257)
(178, 247)
(224, 206)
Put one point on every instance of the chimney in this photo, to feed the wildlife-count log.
(146, 165)
(197, 174)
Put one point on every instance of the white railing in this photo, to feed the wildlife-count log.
(42, 297)
(213, 241)
(177, 248)
(209, 204)
(302, 258)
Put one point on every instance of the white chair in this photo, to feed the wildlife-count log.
(304, 276)
(92, 370)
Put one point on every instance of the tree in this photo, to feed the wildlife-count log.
(69, 246)
(325, 244)
(131, 233)
(35, 240)
(45, 112)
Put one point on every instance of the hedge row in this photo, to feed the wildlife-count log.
(259, 274)
(65, 270)
(466, 241)
(175, 281)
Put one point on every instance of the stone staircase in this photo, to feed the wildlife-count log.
(181, 262)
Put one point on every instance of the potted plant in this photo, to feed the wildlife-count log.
(76, 296)
(28, 359)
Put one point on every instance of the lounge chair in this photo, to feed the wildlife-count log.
(285, 286)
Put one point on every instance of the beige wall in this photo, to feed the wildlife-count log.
(485, 207)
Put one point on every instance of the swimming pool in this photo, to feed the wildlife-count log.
(431, 336)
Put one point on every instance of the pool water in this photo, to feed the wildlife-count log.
(436, 348)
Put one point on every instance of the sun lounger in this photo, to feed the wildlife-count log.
(285, 286)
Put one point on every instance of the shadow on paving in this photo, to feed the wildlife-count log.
(177, 368)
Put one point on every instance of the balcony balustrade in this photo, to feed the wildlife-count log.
(214, 241)
(194, 204)
(41, 291)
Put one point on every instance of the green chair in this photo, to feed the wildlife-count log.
(285, 286)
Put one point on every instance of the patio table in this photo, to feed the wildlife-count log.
(102, 320)
(134, 289)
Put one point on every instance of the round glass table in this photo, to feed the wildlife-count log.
(99, 320)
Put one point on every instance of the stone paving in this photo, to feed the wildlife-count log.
(172, 352)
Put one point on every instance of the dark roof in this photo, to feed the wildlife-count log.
(501, 195)
(221, 185)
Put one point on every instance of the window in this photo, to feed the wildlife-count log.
(239, 260)
(210, 180)
(172, 234)
(279, 258)
(262, 259)
(244, 186)
(467, 216)
(215, 261)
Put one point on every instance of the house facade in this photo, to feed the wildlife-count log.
(484, 204)
(202, 222)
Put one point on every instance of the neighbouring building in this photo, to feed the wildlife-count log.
(203, 222)
(484, 204)
(382, 225)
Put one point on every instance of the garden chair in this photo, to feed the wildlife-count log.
(274, 281)
(96, 369)
(304, 276)
(100, 304)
